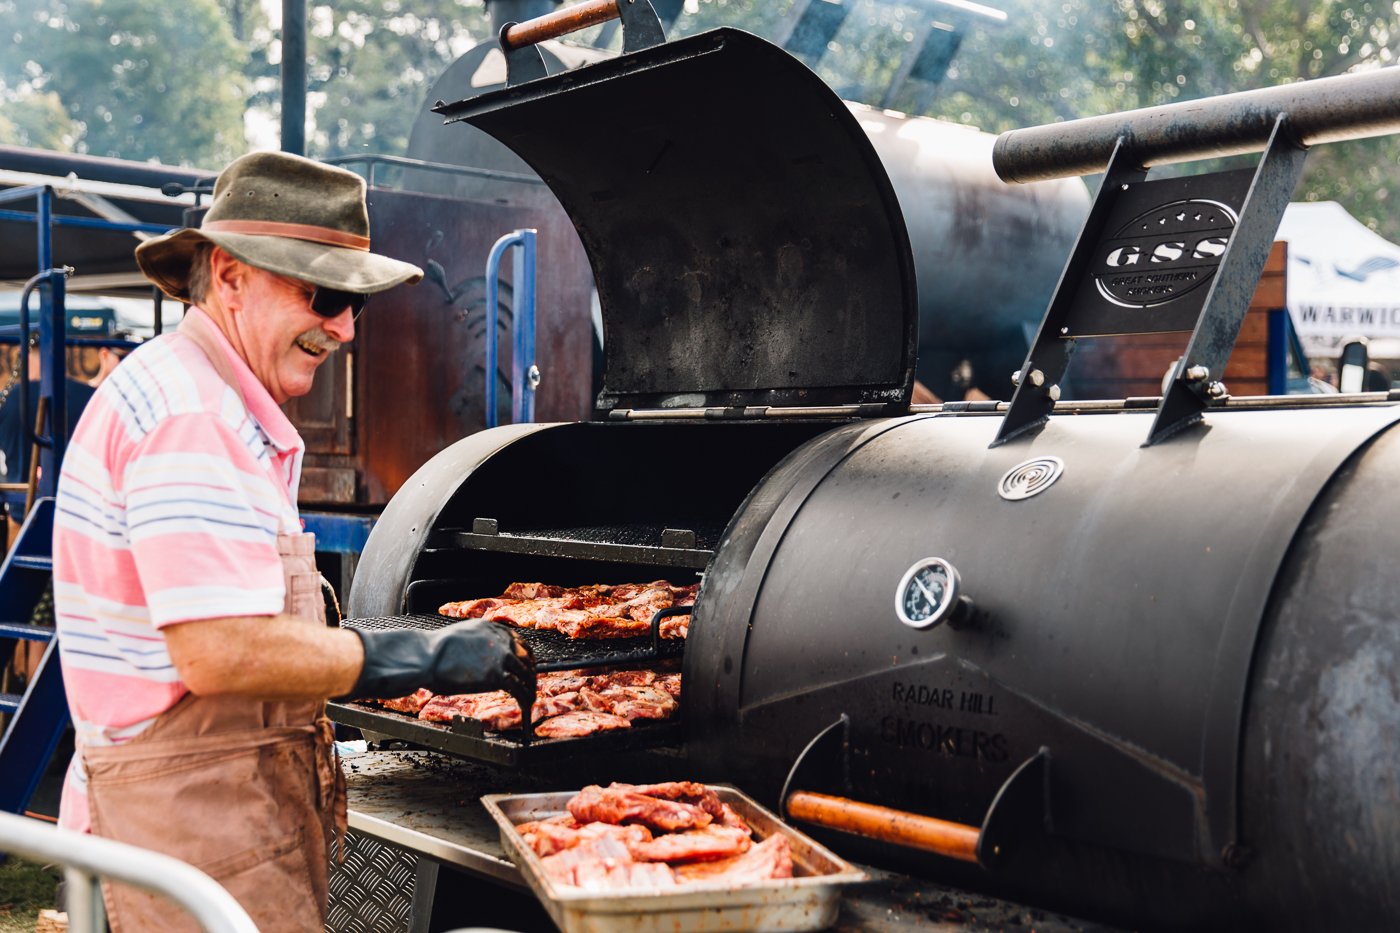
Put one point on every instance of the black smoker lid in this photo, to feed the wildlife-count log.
(747, 245)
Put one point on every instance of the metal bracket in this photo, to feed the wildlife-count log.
(1195, 383)
(522, 64)
(1129, 274)
(1050, 351)
(1021, 808)
(823, 763)
(641, 27)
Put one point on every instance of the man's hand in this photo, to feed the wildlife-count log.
(466, 657)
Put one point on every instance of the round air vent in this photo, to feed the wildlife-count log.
(1030, 478)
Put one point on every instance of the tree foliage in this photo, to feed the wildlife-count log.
(135, 80)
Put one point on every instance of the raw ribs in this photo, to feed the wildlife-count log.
(631, 836)
(593, 612)
(568, 704)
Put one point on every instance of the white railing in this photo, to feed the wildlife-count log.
(86, 860)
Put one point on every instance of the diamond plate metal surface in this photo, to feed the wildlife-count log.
(372, 892)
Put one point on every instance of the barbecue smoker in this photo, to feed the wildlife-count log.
(1134, 660)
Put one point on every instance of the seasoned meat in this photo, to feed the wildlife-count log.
(691, 792)
(579, 723)
(605, 864)
(556, 682)
(671, 683)
(475, 608)
(622, 679)
(618, 805)
(600, 611)
(410, 704)
(556, 705)
(770, 859)
(532, 591)
(556, 834)
(633, 703)
(712, 842)
(497, 710)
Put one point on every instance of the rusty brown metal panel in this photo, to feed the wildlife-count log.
(415, 376)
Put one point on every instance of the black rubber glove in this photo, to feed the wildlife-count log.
(466, 657)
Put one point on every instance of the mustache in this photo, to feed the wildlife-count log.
(319, 339)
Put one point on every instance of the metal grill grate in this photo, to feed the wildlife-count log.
(372, 891)
(552, 651)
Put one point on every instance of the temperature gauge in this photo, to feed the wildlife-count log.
(928, 593)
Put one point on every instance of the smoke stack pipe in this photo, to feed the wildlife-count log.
(294, 76)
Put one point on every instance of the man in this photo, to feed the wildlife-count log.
(108, 358)
(191, 623)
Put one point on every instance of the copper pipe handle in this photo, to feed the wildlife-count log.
(560, 23)
(898, 827)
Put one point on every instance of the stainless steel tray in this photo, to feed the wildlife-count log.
(807, 901)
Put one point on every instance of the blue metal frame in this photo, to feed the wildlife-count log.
(52, 333)
(525, 374)
(41, 714)
(338, 532)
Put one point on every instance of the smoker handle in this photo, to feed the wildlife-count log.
(898, 827)
(559, 23)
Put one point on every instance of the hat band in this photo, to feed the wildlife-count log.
(327, 235)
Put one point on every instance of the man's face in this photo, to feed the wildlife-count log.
(283, 339)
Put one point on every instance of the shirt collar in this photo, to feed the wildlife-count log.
(265, 411)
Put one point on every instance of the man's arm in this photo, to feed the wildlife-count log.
(277, 658)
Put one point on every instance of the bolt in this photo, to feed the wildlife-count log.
(1217, 390)
(1054, 392)
(1016, 378)
(1037, 378)
(1197, 373)
(1235, 855)
(1064, 330)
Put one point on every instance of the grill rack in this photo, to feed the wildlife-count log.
(553, 652)
(643, 544)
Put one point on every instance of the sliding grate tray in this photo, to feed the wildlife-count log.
(466, 739)
(553, 651)
(649, 545)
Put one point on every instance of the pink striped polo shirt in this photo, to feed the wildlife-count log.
(169, 503)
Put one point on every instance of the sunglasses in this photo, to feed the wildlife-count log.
(329, 302)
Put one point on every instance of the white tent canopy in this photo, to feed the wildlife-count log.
(1343, 278)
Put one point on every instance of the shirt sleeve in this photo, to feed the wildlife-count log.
(202, 515)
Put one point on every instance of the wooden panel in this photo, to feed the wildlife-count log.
(327, 485)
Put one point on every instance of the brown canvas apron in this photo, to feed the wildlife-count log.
(249, 792)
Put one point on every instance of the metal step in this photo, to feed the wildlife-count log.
(9, 702)
(25, 631)
(32, 562)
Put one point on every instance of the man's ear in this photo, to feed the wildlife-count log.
(229, 279)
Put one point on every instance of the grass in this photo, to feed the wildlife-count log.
(25, 889)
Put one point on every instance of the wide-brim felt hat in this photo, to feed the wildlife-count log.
(288, 215)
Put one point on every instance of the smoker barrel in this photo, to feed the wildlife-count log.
(1325, 110)
(1196, 638)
